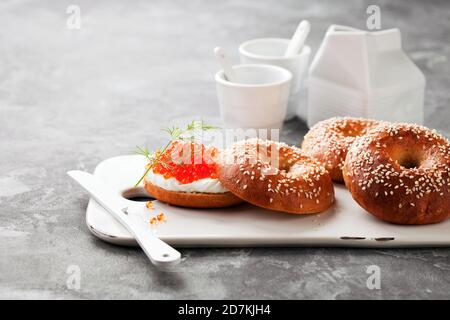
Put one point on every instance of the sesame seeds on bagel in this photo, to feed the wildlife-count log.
(276, 176)
(401, 173)
(328, 141)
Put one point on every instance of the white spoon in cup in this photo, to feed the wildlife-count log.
(298, 39)
(225, 64)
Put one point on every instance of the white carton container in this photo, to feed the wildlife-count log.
(364, 74)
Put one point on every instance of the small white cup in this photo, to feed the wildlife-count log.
(271, 51)
(258, 101)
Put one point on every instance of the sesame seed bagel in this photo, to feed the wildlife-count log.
(275, 176)
(400, 173)
(328, 141)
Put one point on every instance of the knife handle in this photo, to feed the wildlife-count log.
(159, 252)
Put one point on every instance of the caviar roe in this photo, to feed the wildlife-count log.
(153, 221)
(187, 162)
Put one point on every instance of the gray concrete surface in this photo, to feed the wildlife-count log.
(71, 98)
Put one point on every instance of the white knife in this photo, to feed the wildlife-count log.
(159, 252)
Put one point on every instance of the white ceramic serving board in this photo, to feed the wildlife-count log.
(346, 224)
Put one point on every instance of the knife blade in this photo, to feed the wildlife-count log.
(159, 252)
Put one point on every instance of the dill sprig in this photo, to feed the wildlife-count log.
(143, 151)
(175, 133)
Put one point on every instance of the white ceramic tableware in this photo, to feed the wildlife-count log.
(225, 64)
(364, 74)
(346, 224)
(271, 51)
(298, 39)
(258, 100)
(159, 252)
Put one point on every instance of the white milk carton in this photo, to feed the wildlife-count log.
(364, 74)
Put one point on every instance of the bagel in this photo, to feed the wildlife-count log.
(185, 175)
(400, 173)
(328, 141)
(192, 199)
(297, 184)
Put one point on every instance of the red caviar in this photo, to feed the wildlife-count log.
(153, 221)
(187, 162)
(161, 217)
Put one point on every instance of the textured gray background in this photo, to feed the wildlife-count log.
(69, 99)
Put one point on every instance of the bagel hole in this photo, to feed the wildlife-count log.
(351, 133)
(284, 166)
(137, 194)
(410, 161)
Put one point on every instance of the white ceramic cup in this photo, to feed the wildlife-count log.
(258, 100)
(271, 51)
